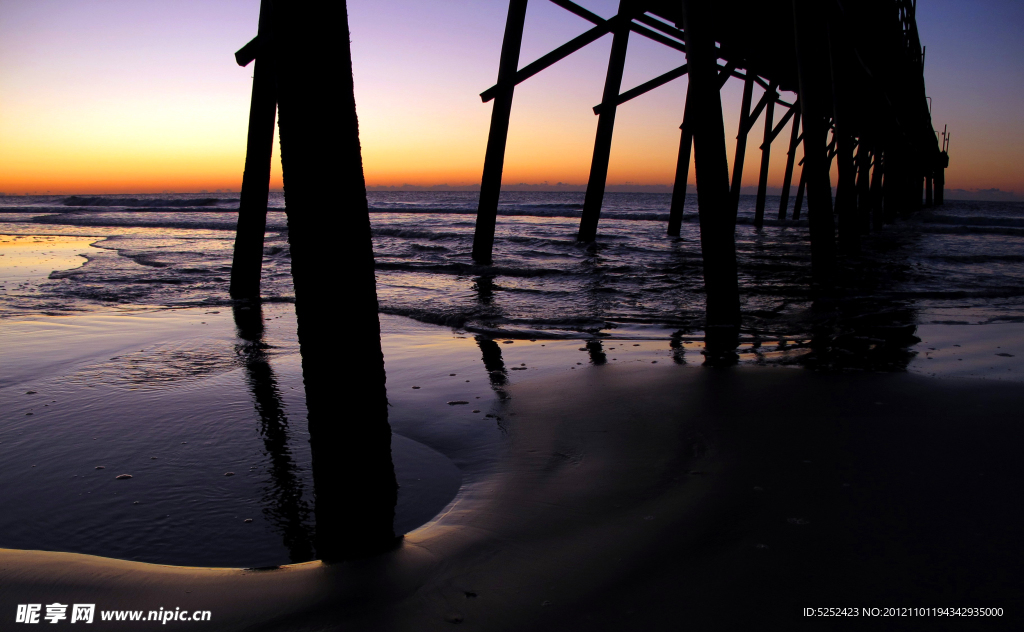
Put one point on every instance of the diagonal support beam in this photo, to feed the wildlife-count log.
(782, 123)
(658, 25)
(554, 56)
(726, 71)
(765, 99)
(572, 7)
(644, 88)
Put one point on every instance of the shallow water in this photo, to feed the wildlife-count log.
(118, 345)
(959, 263)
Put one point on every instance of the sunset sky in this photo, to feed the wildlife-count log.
(126, 96)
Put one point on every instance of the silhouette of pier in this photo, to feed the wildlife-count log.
(857, 71)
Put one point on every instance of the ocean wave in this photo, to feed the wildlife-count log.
(986, 258)
(554, 205)
(972, 220)
(77, 200)
(467, 269)
(83, 219)
(412, 233)
(971, 230)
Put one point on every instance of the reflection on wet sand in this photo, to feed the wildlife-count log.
(283, 502)
(597, 356)
(495, 366)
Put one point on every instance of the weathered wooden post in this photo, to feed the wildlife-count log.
(891, 184)
(605, 126)
(942, 162)
(717, 218)
(798, 204)
(675, 215)
(247, 262)
(329, 230)
(497, 137)
(877, 197)
(766, 153)
(863, 187)
(741, 143)
(809, 28)
(787, 180)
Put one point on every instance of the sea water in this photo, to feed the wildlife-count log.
(120, 350)
(957, 263)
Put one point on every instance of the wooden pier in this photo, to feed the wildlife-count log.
(857, 71)
(855, 68)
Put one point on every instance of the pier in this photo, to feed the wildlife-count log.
(859, 109)
(857, 72)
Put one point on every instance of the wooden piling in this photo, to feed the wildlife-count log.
(846, 195)
(675, 215)
(497, 137)
(892, 185)
(799, 202)
(766, 152)
(787, 180)
(741, 143)
(332, 255)
(877, 199)
(928, 200)
(808, 24)
(605, 126)
(717, 218)
(247, 260)
(863, 163)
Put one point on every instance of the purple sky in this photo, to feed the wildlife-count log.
(136, 96)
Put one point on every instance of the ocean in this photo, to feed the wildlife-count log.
(956, 264)
(123, 355)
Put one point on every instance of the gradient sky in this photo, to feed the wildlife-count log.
(144, 96)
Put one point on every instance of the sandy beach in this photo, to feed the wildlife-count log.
(637, 493)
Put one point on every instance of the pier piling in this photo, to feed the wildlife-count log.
(605, 126)
(714, 203)
(497, 137)
(766, 152)
(675, 216)
(857, 71)
(741, 143)
(787, 179)
(329, 230)
(247, 261)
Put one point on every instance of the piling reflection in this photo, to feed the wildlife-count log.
(484, 287)
(596, 352)
(283, 502)
(496, 372)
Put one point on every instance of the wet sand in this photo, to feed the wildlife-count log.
(639, 496)
(620, 486)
